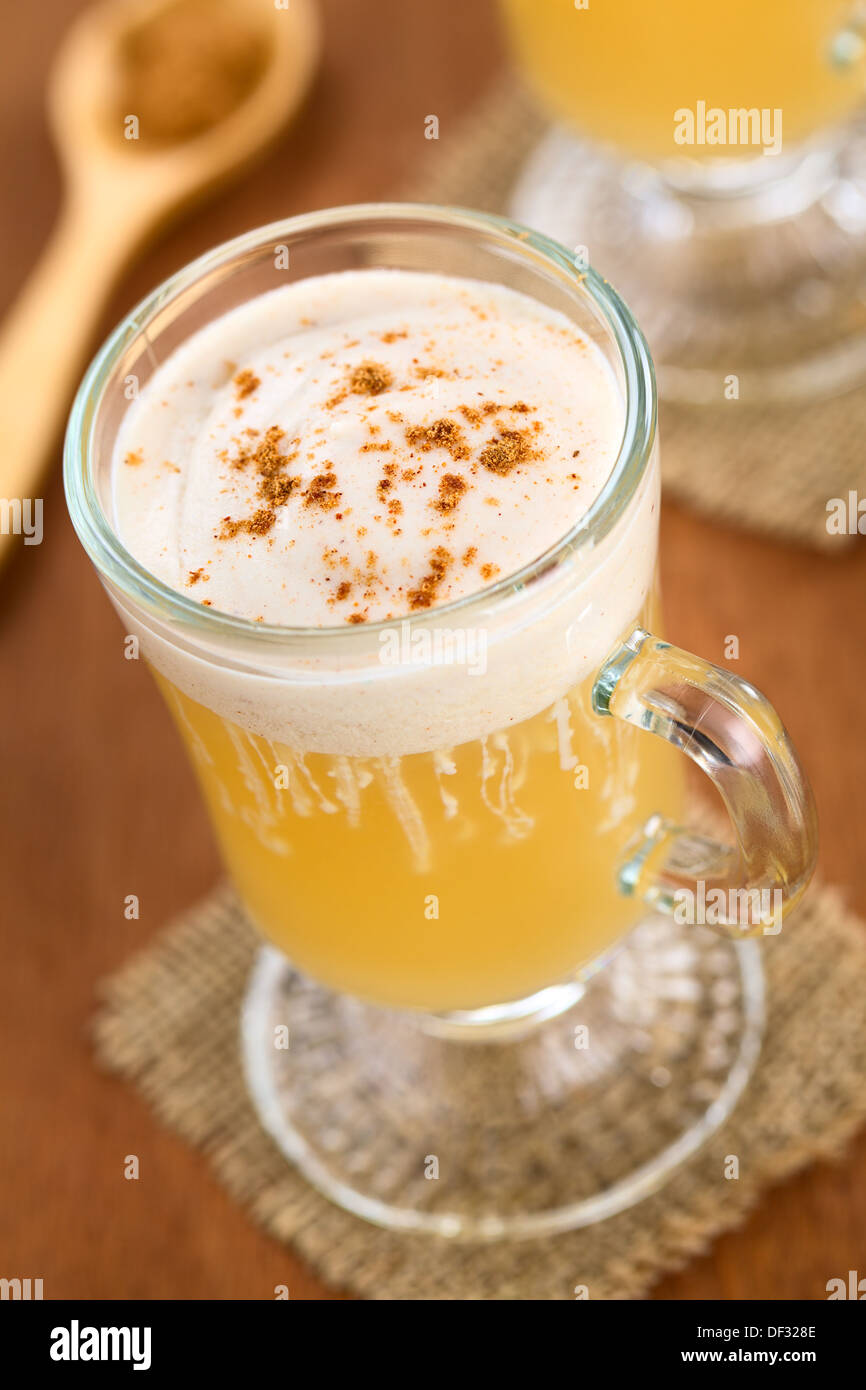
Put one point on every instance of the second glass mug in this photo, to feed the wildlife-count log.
(457, 819)
(712, 160)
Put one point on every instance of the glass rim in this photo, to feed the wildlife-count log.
(119, 566)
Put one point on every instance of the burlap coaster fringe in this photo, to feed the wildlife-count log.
(168, 1022)
(771, 470)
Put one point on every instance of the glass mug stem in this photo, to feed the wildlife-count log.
(734, 735)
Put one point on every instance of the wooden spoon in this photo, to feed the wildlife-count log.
(118, 191)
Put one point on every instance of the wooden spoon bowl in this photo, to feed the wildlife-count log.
(118, 192)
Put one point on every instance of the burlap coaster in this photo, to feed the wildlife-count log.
(169, 1022)
(769, 469)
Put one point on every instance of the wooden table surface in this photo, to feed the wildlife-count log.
(98, 802)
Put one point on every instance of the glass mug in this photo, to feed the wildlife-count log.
(620, 70)
(454, 821)
(710, 162)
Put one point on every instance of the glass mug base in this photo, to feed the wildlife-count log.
(765, 280)
(518, 1133)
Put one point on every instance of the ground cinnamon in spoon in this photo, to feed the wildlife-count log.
(187, 67)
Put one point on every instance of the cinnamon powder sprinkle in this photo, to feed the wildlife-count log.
(356, 618)
(321, 492)
(370, 379)
(134, 458)
(442, 434)
(488, 571)
(259, 524)
(367, 379)
(245, 383)
(507, 451)
(277, 489)
(275, 486)
(451, 489)
(475, 414)
(266, 457)
(385, 483)
(344, 589)
(425, 594)
(195, 575)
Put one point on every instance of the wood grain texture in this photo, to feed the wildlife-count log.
(98, 802)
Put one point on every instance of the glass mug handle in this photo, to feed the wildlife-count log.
(735, 736)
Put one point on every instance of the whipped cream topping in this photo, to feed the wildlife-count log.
(363, 446)
(244, 478)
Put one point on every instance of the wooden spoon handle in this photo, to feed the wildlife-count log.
(42, 342)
